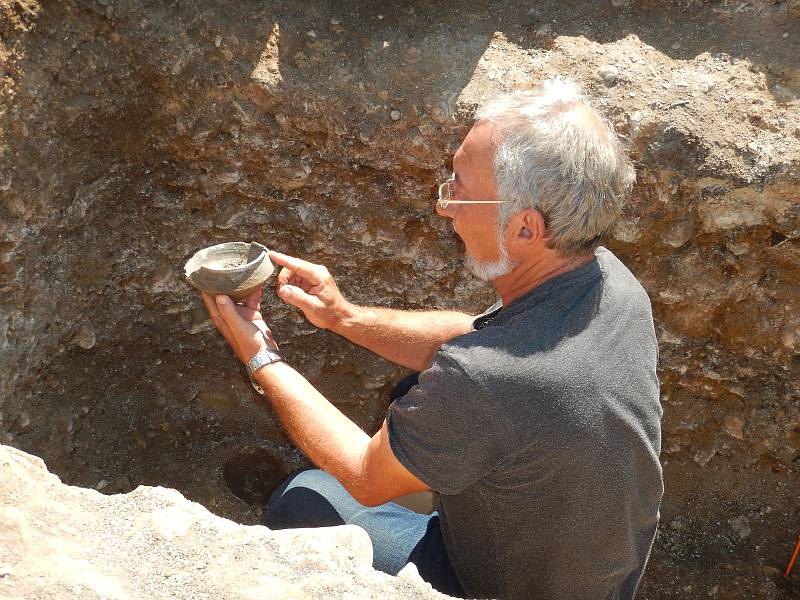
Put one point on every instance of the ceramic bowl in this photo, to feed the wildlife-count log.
(233, 268)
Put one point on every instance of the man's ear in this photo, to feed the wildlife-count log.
(529, 226)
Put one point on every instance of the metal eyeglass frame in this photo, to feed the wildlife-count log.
(445, 193)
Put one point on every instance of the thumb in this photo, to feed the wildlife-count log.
(226, 310)
(295, 296)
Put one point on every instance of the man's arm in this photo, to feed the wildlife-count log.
(408, 338)
(366, 467)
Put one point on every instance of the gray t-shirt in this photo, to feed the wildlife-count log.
(541, 432)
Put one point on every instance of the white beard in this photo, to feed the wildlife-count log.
(489, 271)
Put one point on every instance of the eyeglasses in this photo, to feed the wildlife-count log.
(446, 195)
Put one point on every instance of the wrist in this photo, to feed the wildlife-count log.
(261, 362)
(262, 359)
(346, 317)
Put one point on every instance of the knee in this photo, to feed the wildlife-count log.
(302, 500)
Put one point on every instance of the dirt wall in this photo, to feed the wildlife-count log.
(134, 133)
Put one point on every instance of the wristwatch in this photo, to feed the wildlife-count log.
(262, 359)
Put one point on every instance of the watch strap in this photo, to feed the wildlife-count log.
(262, 359)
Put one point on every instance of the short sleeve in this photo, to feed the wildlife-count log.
(445, 430)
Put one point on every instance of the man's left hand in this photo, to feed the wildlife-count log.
(242, 326)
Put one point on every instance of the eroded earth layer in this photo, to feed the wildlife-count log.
(134, 133)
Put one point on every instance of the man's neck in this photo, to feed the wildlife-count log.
(534, 272)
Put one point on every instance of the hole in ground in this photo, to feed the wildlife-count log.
(777, 238)
(252, 473)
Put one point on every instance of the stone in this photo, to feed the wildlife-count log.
(703, 456)
(635, 123)
(395, 114)
(741, 526)
(59, 541)
(122, 484)
(733, 426)
(85, 337)
(680, 233)
(627, 230)
(609, 74)
(23, 421)
(533, 16)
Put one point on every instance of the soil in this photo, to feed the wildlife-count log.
(133, 134)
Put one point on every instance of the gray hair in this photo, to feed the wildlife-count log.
(556, 154)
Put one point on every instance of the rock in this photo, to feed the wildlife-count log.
(680, 233)
(740, 525)
(627, 230)
(23, 422)
(395, 114)
(609, 74)
(734, 427)
(85, 337)
(533, 16)
(706, 84)
(738, 248)
(634, 123)
(67, 543)
(703, 455)
(122, 484)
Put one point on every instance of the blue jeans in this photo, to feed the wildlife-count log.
(313, 498)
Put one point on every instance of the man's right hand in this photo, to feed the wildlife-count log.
(310, 288)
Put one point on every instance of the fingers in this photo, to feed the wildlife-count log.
(314, 274)
(254, 300)
(211, 305)
(216, 317)
(284, 276)
(237, 315)
(227, 310)
(246, 337)
(297, 297)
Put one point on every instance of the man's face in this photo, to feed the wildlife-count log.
(476, 224)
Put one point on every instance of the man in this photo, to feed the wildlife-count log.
(538, 422)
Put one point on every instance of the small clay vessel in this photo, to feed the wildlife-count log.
(235, 269)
